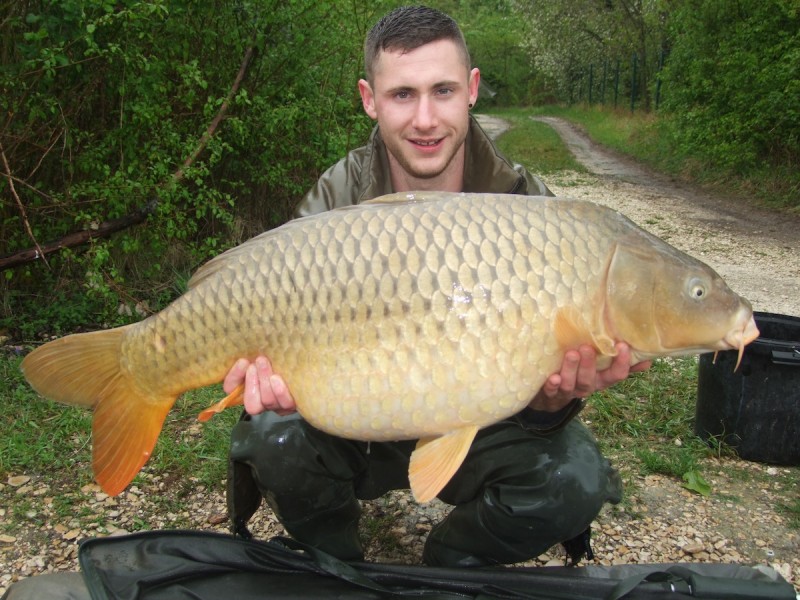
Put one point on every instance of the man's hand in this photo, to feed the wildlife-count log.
(263, 389)
(579, 377)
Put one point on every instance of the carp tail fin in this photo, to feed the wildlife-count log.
(435, 461)
(84, 370)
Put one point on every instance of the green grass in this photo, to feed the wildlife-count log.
(792, 510)
(42, 438)
(534, 145)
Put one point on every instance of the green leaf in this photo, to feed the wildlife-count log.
(695, 483)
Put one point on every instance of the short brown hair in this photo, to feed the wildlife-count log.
(407, 28)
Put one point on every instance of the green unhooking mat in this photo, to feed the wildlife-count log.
(207, 566)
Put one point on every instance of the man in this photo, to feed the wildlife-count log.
(529, 482)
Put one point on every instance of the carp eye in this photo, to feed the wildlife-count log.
(697, 289)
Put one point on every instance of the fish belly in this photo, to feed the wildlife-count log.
(394, 320)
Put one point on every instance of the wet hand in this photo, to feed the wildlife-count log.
(263, 389)
(579, 377)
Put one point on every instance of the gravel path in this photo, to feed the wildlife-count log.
(753, 249)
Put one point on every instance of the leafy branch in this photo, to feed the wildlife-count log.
(138, 216)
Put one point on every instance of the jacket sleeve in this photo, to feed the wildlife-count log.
(533, 185)
(338, 186)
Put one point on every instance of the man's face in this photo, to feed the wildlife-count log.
(421, 102)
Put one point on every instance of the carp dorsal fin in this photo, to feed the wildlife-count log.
(571, 331)
(436, 460)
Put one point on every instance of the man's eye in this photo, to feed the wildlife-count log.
(402, 95)
(444, 91)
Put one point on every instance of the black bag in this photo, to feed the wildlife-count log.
(210, 566)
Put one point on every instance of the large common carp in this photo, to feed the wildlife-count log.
(424, 315)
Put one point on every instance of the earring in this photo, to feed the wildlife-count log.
(470, 104)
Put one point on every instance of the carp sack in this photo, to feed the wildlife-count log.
(413, 316)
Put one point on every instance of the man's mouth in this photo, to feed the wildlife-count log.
(427, 144)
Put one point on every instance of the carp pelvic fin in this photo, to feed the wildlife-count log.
(571, 331)
(84, 369)
(235, 398)
(436, 460)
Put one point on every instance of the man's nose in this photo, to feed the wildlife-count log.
(425, 114)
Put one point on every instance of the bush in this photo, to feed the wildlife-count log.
(732, 82)
(106, 100)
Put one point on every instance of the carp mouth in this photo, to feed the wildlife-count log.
(739, 337)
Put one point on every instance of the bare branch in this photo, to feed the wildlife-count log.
(23, 213)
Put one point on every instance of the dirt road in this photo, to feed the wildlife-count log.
(756, 250)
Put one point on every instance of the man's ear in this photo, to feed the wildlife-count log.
(367, 98)
(474, 85)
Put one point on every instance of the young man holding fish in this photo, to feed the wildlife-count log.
(528, 482)
(453, 289)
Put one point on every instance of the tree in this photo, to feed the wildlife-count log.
(103, 101)
(568, 37)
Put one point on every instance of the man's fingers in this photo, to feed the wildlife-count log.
(252, 392)
(235, 376)
(283, 397)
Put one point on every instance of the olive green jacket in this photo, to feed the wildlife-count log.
(364, 174)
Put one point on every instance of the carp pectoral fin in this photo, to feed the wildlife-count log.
(571, 331)
(235, 398)
(435, 461)
(124, 431)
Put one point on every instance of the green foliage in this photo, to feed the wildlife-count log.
(695, 482)
(105, 101)
(733, 81)
(577, 43)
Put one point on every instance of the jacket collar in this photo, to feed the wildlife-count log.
(485, 169)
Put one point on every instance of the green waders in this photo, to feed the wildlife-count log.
(517, 493)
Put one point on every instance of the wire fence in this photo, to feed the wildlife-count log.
(619, 82)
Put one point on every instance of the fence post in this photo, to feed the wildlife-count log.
(603, 85)
(616, 85)
(658, 78)
(633, 81)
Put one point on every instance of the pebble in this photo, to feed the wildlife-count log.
(18, 480)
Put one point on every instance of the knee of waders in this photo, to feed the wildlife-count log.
(579, 480)
(254, 443)
(298, 469)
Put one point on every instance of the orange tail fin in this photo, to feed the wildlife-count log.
(84, 369)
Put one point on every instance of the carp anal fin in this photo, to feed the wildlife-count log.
(436, 460)
(571, 331)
